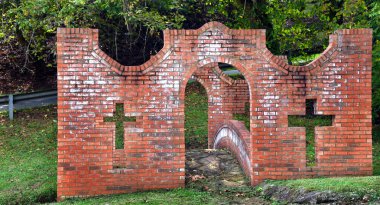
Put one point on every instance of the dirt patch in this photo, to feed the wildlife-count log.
(301, 196)
(218, 172)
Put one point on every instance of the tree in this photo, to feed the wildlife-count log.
(34, 23)
(374, 15)
(302, 26)
(354, 14)
(299, 26)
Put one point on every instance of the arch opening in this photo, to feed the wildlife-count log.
(196, 115)
(228, 99)
(231, 71)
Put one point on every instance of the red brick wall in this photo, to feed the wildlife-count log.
(90, 84)
(239, 96)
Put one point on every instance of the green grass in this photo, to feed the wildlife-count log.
(244, 118)
(28, 157)
(304, 60)
(237, 76)
(233, 76)
(176, 196)
(118, 118)
(196, 116)
(358, 185)
(228, 68)
(310, 123)
(376, 150)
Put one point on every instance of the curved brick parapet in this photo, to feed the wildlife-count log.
(234, 136)
(279, 62)
(335, 45)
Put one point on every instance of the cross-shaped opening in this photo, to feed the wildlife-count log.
(119, 118)
(310, 121)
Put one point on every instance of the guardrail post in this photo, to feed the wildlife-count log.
(10, 106)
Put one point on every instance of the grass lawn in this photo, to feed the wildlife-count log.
(359, 185)
(28, 161)
(28, 157)
(309, 123)
(376, 150)
(196, 116)
(176, 196)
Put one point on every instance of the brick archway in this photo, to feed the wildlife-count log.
(221, 107)
(216, 80)
(90, 84)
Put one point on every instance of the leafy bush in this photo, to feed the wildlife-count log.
(34, 23)
(375, 21)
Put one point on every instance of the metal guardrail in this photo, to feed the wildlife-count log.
(29, 100)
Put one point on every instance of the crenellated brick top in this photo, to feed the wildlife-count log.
(171, 37)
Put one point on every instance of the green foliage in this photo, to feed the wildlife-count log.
(232, 13)
(303, 26)
(244, 118)
(354, 14)
(374, 15)
(227, 68)
(130, 30)
(376, 96)
(299, 26)
(34, 23)
(303, 59)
